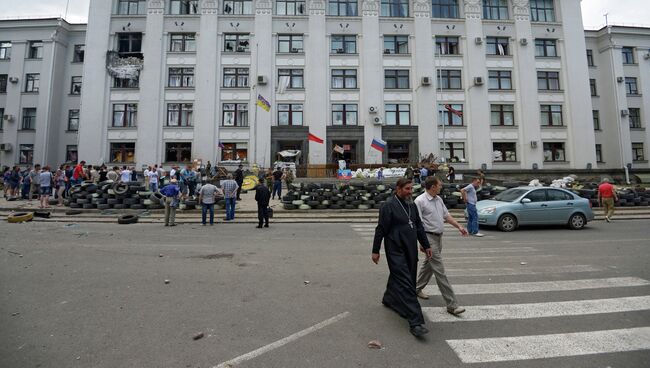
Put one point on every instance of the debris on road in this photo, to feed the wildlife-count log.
(198, 336)
(375, 344)
(167, 281)
(160, 255)
(15, 314)
(523, 263)
(306, 282)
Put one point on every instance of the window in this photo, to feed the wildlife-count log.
(394, 8)
(181, 77)
(183, 7)
(79, 53)
(558, 195)
(32, 82)
(290, 114)
(502, 115)
(551, 115)
(499, 79)
(26, 153)
(396, 44)
(290, 43)
(542, 11)
(345, 8)
(343, 44)
(295, 78)
(444, 9)
(234, 152)
(75, 86)
(290, 7)
(631, 87)
(545, 47)
(238, 7)
(497, 46)
(344, 114)
(548, 81)
(447, 46)
(344, 78)
(396, 79)
(554, 152)
(450, 79)
(235, 77)
(453, 151)
(495, 9)
(29, 118)
(599, 153)
(73, 120)
(5, 50)
(236, 42)
(125, 83)
(537, 195)
(235, 115)
(447, 117)
(398, 114)
(182, 42)
(35, 50)
(71, 154)
(635, 118)
(504, 152)
(637, 152)
(590, 58)
(180, 114)
(596, 116)
(125, 115)
(592, 87)
(398, 152)
(628, 55)
(122, 152)
(2, 112)
(131, 7)
(178, 152)
(3, 83)
(129, 44)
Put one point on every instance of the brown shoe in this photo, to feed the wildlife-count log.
(455, 311)
(422, 295)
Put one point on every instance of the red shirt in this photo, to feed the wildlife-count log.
(606, 190)
(78, 172)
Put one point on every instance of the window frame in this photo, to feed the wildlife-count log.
(445, 79)
(555, 148)
(502, 78)
(387, 8)
(634, 117)
(292, 113)
(233, 148)
(451, 44)
(345, 41)
(184, 76)
(5, 50)
(295, 75)
(599, 152)
(28, 155)
(350, 8)
(505, 148)
(179, 148)
(346, 111)
(445, 9)
(399, 76)
(493, 42)
(237, 114)
(35, 50)
(295, 9)
(631, 86)
(117, 83)
(394, 114)
(79, 53)
(590, 57)
(32, 82)
(68, 153)
(2, 121)
(502, 112)
(185, 7)
(496, 10)
(397, 42)
(539, 7)
(552, 111)
(28, 121)
(447, 118)
(345, 76)
(75, 85)
(453, 148)
(593, 89)
(290, 40)
(129, 117)
(638, 152)
(595, 114)
(140, 7)
(547, 77)
(627, 54)
(238, 7)
(123, 150)
(545, 45)
(132, 39)
(236, 40)
(73, 120)
(186, 41)
(241, 77)
(180, 115)
(4, 80)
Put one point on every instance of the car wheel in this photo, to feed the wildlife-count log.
(577, 221)
(507, 223)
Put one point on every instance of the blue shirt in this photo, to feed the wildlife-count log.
(424, 172)
(170, 190)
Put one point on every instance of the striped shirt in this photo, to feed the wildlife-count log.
(229, 188)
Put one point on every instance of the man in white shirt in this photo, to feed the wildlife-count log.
(125, 175)
(153, 180)
(434, 214)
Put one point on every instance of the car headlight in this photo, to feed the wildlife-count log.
(488, 210)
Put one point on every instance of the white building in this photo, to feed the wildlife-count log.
(41, 68)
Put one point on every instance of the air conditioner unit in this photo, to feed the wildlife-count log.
(261, 79)
(372, 109)
(426, 81)
(386, 51)
(620, 79)
(523, 42)
(624, 113)
(8, 118)
(13, 80)
(478, 41)
(478, 81)
(646, 56)
(340, 51)
(377, 120)
(6, 147)
(294, 50)
(533, 144)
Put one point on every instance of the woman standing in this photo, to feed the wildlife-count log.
(60, 180)
(45, 181)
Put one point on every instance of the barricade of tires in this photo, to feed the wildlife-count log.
(113, 195)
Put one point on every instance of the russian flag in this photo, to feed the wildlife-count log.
(378, 144)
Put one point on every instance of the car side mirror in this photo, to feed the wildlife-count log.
(526, 200)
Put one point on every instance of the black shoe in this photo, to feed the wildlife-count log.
(267, 225)
(258, 227)
(419, 331)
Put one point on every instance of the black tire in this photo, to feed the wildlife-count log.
(88, 206)
(73, 213)
(155, 197)
(91, 188)
(335, 207)
(289, 206)
(355, 203)
(119, 206)
(75, 205)
(130, 201)
(112, 201)
(321, 207)
(136, 207)
(507, 223)
(42, 214)
(127, 219)
(349, 207)
(192, 203)
(312, 203)
(120, 188)
(103, 206)
(577, 221)
(377, 206)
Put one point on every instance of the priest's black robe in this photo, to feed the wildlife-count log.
(400, 243)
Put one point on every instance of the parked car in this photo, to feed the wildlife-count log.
(535, 206)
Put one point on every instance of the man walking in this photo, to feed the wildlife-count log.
(171, 193)
(434, 214)
(207, 196)
(277, 183)
(262, 196)
(34, 182)
(239, 179)
(469, 196)
(607, 197)
(400, 228)
(229, 187)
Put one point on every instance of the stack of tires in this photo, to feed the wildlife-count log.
(113, 195)
(353, 196)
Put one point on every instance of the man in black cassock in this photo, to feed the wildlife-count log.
(400, 228)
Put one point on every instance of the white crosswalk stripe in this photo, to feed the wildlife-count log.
(521, 271)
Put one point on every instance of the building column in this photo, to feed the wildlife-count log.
(262, 64)
(13, 106)
(425, 96)
(372, 81)
(316, 86)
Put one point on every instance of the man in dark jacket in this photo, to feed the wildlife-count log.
(239, 178)
(262, 196)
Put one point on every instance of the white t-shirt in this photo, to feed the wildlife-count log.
(125, 176)
(153, 177)
(172, 173)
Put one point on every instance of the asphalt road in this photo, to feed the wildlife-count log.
(94, 295)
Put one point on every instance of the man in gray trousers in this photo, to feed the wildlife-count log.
(434, 214)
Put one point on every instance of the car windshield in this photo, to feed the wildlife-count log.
(510, 195)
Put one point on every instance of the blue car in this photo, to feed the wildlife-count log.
(535, 206)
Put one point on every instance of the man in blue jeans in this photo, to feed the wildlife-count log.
(277, 183)
(469, 196)
(229, 187)
(207, 196)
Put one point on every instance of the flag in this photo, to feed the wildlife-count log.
(221, 145)
(263, 103)
(453, 111)
(283, 84)
(339, 149)
(314, 138)
(378, 144)
(502, 50)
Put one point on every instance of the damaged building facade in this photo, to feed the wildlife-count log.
(503, 84)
